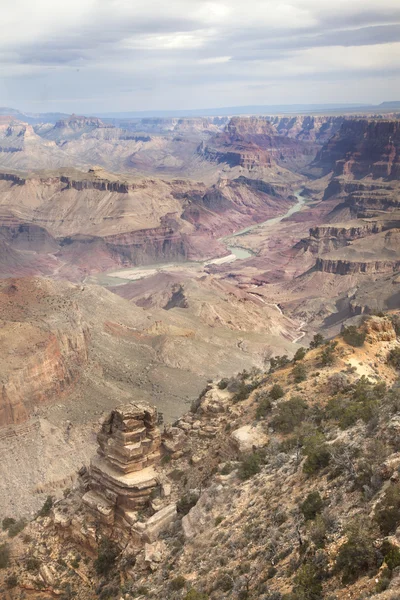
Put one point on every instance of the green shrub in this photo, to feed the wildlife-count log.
(249, 466)
(11, 581)
(317, 453)
(178, 583)
(16, 528)
(357, 556)
(264, 406)
(106, 557)
(195, 595)
(317, 341)
(290, 413)
(299, 373)
(186, 502)
(307, 583)
(276, 392)
(278, 362)
(300, 354)
(391, 554)
(32, 564)
(218, 520)
(327, 356)
(227, 468)
(223, 384)
(318, 531)
(353, 336)
(7, 522)
(387, 512)
(46, 508)
(312, 505)
(4, 555)
(394, 358)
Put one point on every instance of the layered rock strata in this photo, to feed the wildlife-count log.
(122, 477)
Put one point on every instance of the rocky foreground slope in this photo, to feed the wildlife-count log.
(276, 486)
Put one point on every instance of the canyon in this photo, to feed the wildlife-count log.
(139, 261)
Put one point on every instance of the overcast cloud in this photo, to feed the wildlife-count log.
(89, 56)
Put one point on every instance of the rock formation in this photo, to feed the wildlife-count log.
(122, 476)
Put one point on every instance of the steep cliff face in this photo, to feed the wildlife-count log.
(307, 128)
(255, 141)
(45, 362)
(364, 148)
(349, 267)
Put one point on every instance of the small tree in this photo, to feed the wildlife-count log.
(357, 556)
(394, 358)
(276, 392)
(327, 355)
(250, 465)
(106, 557)
(317, 341)
(387, 513)
(300, 354)
(311, 506)
(299, 373)
(290, 414)
(353, 336)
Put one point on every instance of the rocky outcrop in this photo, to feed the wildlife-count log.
(123, 476)
(97, 184)
(349, 267)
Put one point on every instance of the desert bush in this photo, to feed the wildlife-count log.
(4, 555)
(11, 581)
(32, 564)
(177, 583)
(224, 582)
(317, 453)
(391, 555)
(186, 502)
(387, 512)
(318, 531)
(264, 405)
(353, 336)
(276, 392)
(299, 373)
(357, 556)
(290, 413)
(278, 362)
(317, 341)
(250, 466)
(106, 556)
(195, 595)
(307, 583)
(223, 384)
(394, 358)
(312, 505)
(396, 323)
(7, 522)
(300, 354)
(16, 527)
(327, 356)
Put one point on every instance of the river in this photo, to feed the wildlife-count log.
(236, 253)
(241, 252)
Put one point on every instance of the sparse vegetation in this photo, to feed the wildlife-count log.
(327, 356)
(317, 341)
(300, 354)
(290, 413)
(387, 513)
(353, 336)
(4, 555)
(357, 556)
(250, 465)
(278, 362)
(317, 453)
(312, 505)
(106, 556)
(299, 373)
(185, 503)
(394, 358)
(276, 392)
(177, 583)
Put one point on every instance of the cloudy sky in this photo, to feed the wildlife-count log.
(120, 55)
